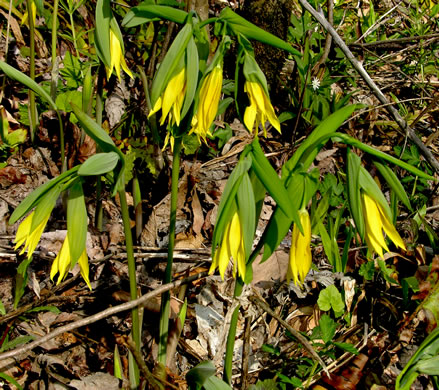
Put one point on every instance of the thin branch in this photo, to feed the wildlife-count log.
(264, 306)
(100, 316)
(375, 89)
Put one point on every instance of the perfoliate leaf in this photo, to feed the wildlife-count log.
(102, 30)
(191, 75)
(45, 206)
(21, 280)
(28, 82)
(247, 212)
(99, 164)
(77, 221)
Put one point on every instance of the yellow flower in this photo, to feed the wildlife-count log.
(29, 238)
(117, 58)
(300, 252)
(26, 14)
(232, 246)
(376, 221)
(62, 264)
(210, 94)
(172, 99)
(260, 109)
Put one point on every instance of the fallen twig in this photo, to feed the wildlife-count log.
(375, 89)
(99, 316)
(264, 306)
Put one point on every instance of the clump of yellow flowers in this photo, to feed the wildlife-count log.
(300, 252)
(376, 221)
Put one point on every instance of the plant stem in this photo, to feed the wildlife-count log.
(32, 105)
(53, 49)
(131, 269)
(228, 360)
(165, 307)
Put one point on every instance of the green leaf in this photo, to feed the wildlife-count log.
(118, 367)
(227, 204)
(2, 308)
(200, 373)
(327, 328)
(346, 347)
(102, 30)
(11, 380)
(327, 243)
(191, 75)
(52, 309)
(35, 196)
(367, 270)
(214, 383)
(393, 182)
(354, 195)
(386, 272)
(172, 59)
(247, 212)
(329, 298)
(64, 99)
(45, 206)
(99, 164)
(28, 82)
(319, 136)
(144, 13)
(384, 156)
(87, 92)
(21, 280)
(280, 223)
(267, 384)
(269, 178)
(77, 222)
(242, 26)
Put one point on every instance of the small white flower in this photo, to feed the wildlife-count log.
(315, 83)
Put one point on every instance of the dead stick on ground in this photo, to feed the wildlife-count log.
(264, 306)
(100, 316)
(381, 97)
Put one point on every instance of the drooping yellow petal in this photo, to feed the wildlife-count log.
(116, 57)
(391, 231)
(300, 252)
(174, 89)
(23, 231)
(84, 267)
(29, 238)
(62, 262)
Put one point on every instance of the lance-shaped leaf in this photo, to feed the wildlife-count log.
(269, 178)
(354, 195)
(191, 75)
(102, 30)
(394, 183)
(227, 205)
(99, 164)
(76, 221)
(280, 223)
(377, 153)
(145, 13)
(28, 82)
(35, 196)
(87, 91)
(172, 59)
(247, 212)
(45, 206)
(424, 360)
(242, 26)
(310, 147)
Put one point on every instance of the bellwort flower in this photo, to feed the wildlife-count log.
(62, 264)
(172, 99)
(300, 252)
(376, 221)
(27, 237)
(210, 94)
(26, 14)
(260, 109)
(232, 246)
(117, 58)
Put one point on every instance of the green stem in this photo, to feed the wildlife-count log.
(228, 360)
(99, 109)
(53, 49)
(32, 105)
(165, 307)
(131, 269)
